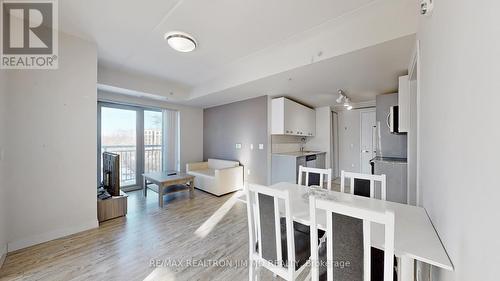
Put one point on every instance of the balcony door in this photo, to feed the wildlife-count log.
(136, 134)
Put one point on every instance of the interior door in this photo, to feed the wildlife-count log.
(368, 137)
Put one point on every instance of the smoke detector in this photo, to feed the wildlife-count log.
(426, 7)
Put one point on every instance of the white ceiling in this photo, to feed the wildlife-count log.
(361, 74)
(130, 33)
(129, 36)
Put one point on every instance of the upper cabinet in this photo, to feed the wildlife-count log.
(292, 118)
(404, 104)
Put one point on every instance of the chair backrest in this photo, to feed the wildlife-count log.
(357, 177)
(321, 172)
(264, 229)
(342, 210)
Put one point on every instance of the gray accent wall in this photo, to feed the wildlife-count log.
(244, 122)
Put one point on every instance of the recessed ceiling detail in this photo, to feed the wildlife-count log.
(243, 45)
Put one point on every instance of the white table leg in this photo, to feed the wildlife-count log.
(407, 268)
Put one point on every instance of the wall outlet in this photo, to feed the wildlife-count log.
(261, 146)
(238, 146)
(251, 146)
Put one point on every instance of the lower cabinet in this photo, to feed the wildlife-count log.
(285, 168)
(396, 175)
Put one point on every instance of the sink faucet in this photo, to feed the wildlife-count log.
(302, 144)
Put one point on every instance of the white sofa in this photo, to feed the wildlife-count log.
(217, 176)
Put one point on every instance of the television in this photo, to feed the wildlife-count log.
(111, 173)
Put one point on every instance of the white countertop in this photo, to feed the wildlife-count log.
(299, 153)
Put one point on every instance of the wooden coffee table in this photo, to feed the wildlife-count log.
(164, 180)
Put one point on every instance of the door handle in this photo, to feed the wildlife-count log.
(365, 151)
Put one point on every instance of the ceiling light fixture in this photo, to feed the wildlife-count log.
(341, 96)
(180, 41)
(347, 101)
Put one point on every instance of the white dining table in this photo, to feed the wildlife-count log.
(414, 239)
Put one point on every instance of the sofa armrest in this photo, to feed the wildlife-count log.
(231, 177)
(196, 166)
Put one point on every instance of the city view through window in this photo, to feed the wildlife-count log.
(119, 135)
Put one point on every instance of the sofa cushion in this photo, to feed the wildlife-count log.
(203, 173)
(222, 164)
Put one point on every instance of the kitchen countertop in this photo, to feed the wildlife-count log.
(389, 160)
(299, 153)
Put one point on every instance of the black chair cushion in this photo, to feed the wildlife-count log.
(362, 187)
(302, 243)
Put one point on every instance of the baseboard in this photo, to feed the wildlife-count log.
(3, 254)
(48, 236)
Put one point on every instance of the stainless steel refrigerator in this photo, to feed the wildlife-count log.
(391, 151)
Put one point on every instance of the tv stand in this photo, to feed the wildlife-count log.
(111, 208)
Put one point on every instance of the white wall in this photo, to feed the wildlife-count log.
(51, 147)
(349, 140)
(460, 135)
(140, 82)
(322, 140)
(3, 184)
(367, 26)
(191, 124)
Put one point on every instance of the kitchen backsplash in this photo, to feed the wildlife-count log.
(283, 144)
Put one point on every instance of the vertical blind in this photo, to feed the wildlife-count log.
(171, 161)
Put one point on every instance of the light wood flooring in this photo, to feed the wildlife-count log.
(122, 249)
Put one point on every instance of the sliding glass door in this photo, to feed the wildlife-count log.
(136, 134)
(119, 135)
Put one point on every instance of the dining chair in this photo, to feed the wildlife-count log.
(275, 243)
(321, 172)
(327, 258)
(363, 181)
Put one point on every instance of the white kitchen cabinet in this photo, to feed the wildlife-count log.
(311, 121)
(404, 104)
(292, 118)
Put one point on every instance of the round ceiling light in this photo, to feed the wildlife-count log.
(180, 41)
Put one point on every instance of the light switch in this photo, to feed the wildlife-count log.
(238, 146)
(261, 146)
(251, 146)
(248, 171)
